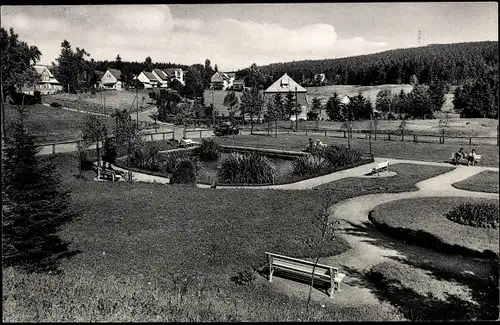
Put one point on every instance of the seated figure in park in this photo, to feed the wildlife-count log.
(460, 154)
(320, 144)
(471, 159)
(310, 145)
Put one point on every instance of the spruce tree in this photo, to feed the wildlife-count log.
(34, 206)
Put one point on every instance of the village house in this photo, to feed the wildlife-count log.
(162, 77)
(285, 85)
(222, 80)
(238, 85)
(148, 79)
(47, 83)
(112, 79)
(175, 73)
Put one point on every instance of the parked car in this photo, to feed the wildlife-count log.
(226, 128)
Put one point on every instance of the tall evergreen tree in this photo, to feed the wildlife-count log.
(334, 108)
(34, 206)
(251, 103)
(384, 100)
(421, 103)
(437, 91)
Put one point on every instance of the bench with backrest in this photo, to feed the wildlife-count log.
(477, 158)
(187, 143)
(107, 174)
(381, 166)
(325, 274)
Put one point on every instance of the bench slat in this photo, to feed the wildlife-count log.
(298, 260)
(303, 268)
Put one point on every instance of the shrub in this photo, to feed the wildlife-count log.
(55, 104)
(110, 153)
(338, 156)
(245, 277)
(152, 156)
(185, 171)
(169, 160)
(310, 165)
(475, 214)
(247, 169)
(208, 150)
(20, 98)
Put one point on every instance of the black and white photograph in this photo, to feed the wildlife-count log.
(250, 162)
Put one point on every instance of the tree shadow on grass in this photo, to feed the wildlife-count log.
(415, 306)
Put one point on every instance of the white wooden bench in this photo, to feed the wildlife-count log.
(187, 143)
(380, 166)
(322, 273)
(107, 174)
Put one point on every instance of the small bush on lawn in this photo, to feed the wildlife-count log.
(249, 168)
(310, 165)
(147, 157)
(185, 172)
(475, 214)
(55, 104)
(208, 150)
(339, 156)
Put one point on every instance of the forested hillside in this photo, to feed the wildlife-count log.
(451, 63)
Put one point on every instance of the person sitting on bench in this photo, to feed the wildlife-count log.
(310, 146)
(320, 144)
(459, 155)
(471, 159)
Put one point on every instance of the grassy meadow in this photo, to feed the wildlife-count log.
(51, 124)
(486, 181)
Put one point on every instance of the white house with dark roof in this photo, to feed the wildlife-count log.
(112, 79)
(162, 77)
(148, 79)
(47, 84)
(222, 80)
(285, 85)
(175, 73)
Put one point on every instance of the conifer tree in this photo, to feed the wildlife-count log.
(34, 206)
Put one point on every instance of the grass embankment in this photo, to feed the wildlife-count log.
(187, 243)
(114, 99)
(380, 148)
(422, 221)
(486, 181)
(52, 124)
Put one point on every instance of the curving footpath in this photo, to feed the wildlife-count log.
(370, 247)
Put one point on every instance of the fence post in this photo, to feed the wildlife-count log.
(470, 141)
(200, 134)
(325, 133)
(344, 135)
(389, 136)
(306, 131)
(151, 136)
(53, 148)
(443, 134)
(414, 138)
(163, 136)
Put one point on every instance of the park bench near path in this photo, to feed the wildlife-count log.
(326, 274)
(380, 166)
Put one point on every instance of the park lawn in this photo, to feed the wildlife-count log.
(167, 253)
(486, 181)
(456, 127)
(51, 124)
(404, 181)
(380, 148)
(422, 221)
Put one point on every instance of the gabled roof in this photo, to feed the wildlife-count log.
(99, 74)
(220, 76)
(285, 84)
(171, 71)
(41, 68)
(238, 81)
(161, 74)
(116, 73)
(150, 76)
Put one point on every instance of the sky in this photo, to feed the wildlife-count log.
(234, 36)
